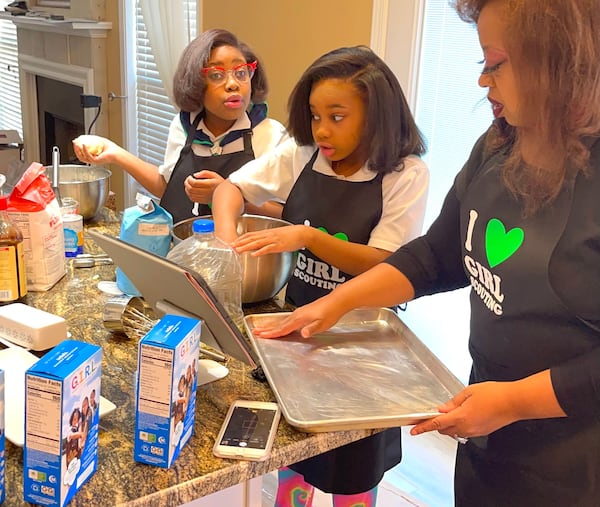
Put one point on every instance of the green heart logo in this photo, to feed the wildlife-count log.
(339, 235)
(499, 244)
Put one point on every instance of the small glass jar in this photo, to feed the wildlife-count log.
(69, 206)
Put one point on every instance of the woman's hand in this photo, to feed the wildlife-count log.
(480, 409)
(310, 319)
(477, 410)
(280, 239)
(200, 186)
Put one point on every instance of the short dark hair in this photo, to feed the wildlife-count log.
(189, 84)
(75, 411)
(390, 131)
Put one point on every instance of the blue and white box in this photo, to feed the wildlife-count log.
(2, 437)
(166, 390)
(62, 393)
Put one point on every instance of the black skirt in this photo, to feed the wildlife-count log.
(355, 467)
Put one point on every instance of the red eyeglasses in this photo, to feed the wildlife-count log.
(241, 73)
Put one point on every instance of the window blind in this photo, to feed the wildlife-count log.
(153, 109)
(452, 110)
(10, 98)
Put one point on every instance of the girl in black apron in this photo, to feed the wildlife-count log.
(175, 199)
(220, 79)
(331, 112)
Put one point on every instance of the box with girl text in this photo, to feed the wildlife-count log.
(166, 391)
(62, 393)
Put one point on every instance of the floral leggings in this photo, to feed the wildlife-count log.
(294, 491)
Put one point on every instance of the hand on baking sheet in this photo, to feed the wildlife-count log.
(310, 319)
(478, 410)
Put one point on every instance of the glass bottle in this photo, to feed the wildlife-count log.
(13, 279)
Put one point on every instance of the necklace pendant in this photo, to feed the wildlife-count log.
(216, 149)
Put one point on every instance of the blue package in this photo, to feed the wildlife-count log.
(62, 391)
(166, 390)
(147, 226)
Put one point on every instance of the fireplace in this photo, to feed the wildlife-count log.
(61, 118)
(57, 63)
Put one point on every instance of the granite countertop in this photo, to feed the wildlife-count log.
(196, 472)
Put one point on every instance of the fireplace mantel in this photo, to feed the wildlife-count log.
(73, 51)
(81, 27)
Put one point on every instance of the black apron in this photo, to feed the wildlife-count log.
(354, 209)
(175, 200)
(343, 208)
(519, 327)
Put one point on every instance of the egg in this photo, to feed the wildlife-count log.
(95, 149)
(93, 145)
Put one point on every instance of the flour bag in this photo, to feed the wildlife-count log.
(33, 207)
(149, 227)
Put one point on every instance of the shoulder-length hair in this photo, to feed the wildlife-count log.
(390, 131)
(75, 411)
(554, 48)
(189, 84)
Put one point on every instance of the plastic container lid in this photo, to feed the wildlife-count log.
(203, 225)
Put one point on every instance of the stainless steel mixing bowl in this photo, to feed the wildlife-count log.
(264, 276)
(88, 185)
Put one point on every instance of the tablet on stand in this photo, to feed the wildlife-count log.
(170, 288)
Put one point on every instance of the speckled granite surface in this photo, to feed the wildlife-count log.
(196, 472)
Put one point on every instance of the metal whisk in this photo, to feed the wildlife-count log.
(128, 315)
(133, 317)
(135, 323)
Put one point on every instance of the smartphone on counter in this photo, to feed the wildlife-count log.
(248, 430)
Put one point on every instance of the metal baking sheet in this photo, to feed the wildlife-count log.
(368, 371)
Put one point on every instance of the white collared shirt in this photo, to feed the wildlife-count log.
(404, 193)
(265, 136)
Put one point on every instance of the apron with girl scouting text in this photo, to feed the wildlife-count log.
(519, 327)
(175, 200)
(349, 210)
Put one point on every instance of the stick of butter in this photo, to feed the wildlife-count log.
(30, 327)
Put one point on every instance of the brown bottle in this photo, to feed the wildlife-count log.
(13, 280)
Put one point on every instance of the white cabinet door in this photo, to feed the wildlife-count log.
(248, 494)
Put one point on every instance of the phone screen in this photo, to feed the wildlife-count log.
(248, 428)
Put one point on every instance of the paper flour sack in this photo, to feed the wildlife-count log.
(147, 226)
(34, 208)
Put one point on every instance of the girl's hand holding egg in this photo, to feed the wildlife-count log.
(88, 147)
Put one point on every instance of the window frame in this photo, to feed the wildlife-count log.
(129, 16)
(11, 117)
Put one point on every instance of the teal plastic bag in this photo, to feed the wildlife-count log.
(147, 226)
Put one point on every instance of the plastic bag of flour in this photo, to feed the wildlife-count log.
(32, 205)
(147, 226)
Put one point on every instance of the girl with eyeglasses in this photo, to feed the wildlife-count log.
(355, 189)
(220, 88)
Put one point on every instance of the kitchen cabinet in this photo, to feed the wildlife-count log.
(246, 494)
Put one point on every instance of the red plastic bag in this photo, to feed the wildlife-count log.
(33, 192)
